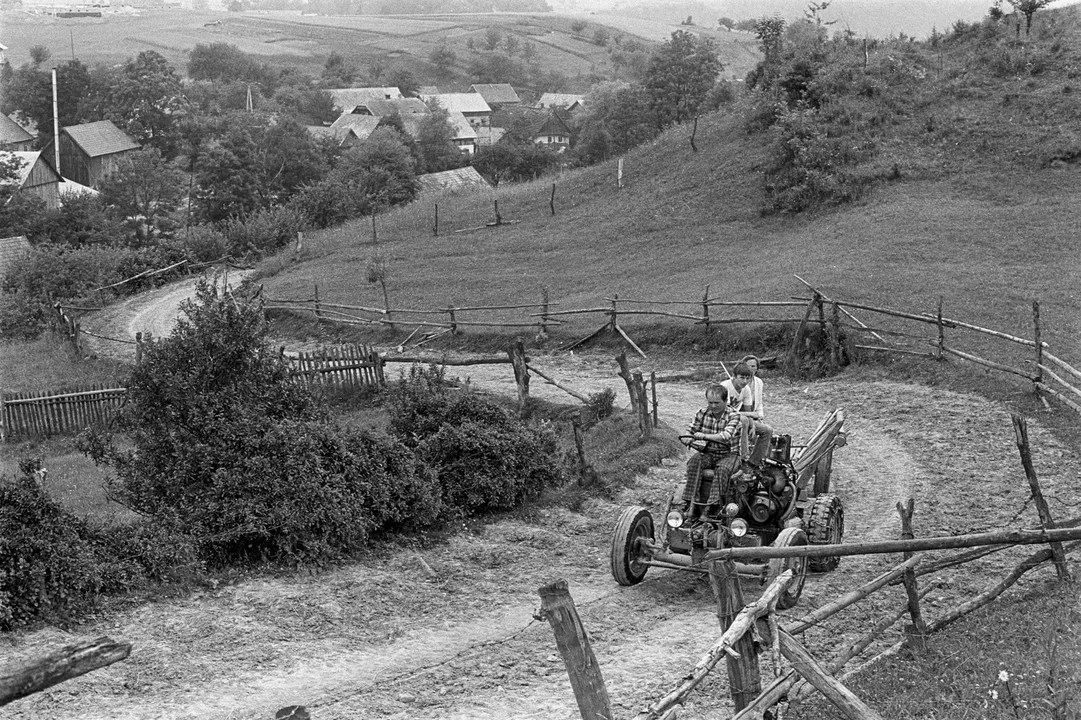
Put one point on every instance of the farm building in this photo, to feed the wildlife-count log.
(14, 137)
(465, 135)
(361, 125)
(497, 95)
(551, 131)
(550, 128)
(91, 151)
(561, 101)
(349, 98)
(381, 108)
(37, 177)
(466, 177)
(342, 136)
(471, 105)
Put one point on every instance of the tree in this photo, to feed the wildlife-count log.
(680, 75)
(770, 34)
(435, 148)
(39, 55)
(144, 192)
(443, 57)
(144, 98)
(29, 93)
(492, 37)
(1028, 8)
(403, 79)
(336, 72)
(381, 169)
(18, 211)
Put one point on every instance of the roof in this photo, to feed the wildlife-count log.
(29, 160)
(12, 132)
(459, 102)
(465, 177)
(100, 138)
(500, 93)
(561, 100)
(553, 124)
(402, 106)
(462, 129)
(349, 98)
(11, 249)
(339, 134)
(362, 125)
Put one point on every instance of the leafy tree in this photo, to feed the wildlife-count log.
(680, 74)
(497, 162)
(81, 221)
(144, 98)
(770, 33)
(308, 102)
(39, 55)
(618, 117)
(223, 61)
(29, 94)
(600, 36)
(492, 37)
(337, 72)
(496, 67)
(404, 80)
(511, 44)
(1028, 8)
(144, 192)
(443, 57)
(435, 148)
(18, 211)
(381, 169)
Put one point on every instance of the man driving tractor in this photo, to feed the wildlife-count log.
(719, 461)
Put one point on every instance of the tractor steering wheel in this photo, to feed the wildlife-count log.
(694, 443)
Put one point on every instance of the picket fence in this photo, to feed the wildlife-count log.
(29, 414)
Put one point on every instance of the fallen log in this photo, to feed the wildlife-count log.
(64, 664)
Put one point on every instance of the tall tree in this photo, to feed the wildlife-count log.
(435, 148)
(1028, 8)
(680, 75)
(144, 192)
(144, 98)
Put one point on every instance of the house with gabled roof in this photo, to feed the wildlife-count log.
(459, 179)
(343, 137)
(464, 134)
(92, 151)
(552, 131)
(382, 108)
(36, 177)
(14, 136)
(471, 105)
(349, 98)
(550, 128)
(497, 95)
(361, 125)
(561, 101)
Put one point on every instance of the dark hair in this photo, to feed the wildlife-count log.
(715, 390)
(757, 360)
(742, 369)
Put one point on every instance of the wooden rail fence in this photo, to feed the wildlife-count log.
(35, 414)
(351, 366)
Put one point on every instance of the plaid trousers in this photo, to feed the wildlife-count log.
(724, 467)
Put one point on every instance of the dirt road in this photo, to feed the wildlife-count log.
(448, 632)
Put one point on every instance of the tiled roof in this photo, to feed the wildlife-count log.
(460, 102)
(501, 93)
(559, 100)
(11, 249)
(100, 138)
(12, 132)
(450, 180)
(349, 98)
(362, 125)
(339, 134)
(402, 106)
(462, 129)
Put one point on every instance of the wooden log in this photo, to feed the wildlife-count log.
(1056, 377)
(482, 360)
(705, 309)
(653, 389)
(850, 316)
(580, 448)
(63, 396)
(1062, 364)
(1065, 400)
(435, 223)
(899, 351)
(1036, 341)
(551, 381)
(453, 324)
(645, 424)
(740, 625)
(544, 312)
(941, 330)
(516, 352)
(916, 634)
(557, 607)
(1020, 430)
(628, 380)
(56, 667)
(1013, 537)
(987, 363)
(629, 341)
(841, 697)
(744, 677)
(613, 321)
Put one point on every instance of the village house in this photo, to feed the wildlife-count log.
(497, 95)
(561, 101)
(91, 151)
(471, 105)
(14, 136)
(459, 179)
(361, 125)
(348, 98)
(342, 136)
(463, 135)
(36, 177)
(549, 128)
(382, 108)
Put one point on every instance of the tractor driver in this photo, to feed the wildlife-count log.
(719, 426)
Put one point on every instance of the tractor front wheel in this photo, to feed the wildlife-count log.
(789, 537)
(635, 524)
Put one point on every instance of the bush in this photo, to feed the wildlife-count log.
(329, 203)
(263, 231)
(200, 244)
(486, 458)
(48, 566)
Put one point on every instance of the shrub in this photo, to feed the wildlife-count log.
(329, 203)
(601, 403)
(200, 244)
(263, 231)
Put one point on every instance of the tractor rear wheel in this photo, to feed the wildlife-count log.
(789, 537)
(634, 525)
(826, 526)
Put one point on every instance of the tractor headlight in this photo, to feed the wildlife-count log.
(674, 519)
(738, 528)
(731, 510)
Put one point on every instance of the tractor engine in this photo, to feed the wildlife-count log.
(765, 496)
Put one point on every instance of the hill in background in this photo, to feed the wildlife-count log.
(973, 193)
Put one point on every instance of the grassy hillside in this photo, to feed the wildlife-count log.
(564, 45)
(984, 209)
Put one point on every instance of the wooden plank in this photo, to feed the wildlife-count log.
(1065, 400)
(841, 697)
(1062, 364)
(558, 609)
(987, 363)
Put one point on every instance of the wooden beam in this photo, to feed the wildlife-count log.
(1020, 429)
(842, 698)
(68, 662)
(744, 677)
(564, 388)
(557, 607)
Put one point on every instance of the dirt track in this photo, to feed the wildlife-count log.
(449, 633)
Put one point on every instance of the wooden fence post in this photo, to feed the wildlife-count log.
(653, 388)
(298, 247)
(544, 311)
(3, 422)
(318, 312)
(792, 362)
(842, 698)
(941, 332)
(619, 174)
(1039, 342)
(552, 200)
(375, 238)
(498, 217)
(453, 322)
(705, 309)
(584, 468)
(744, 678)
(916, 633)
(521, 375)
(645, 424)
(615, 314)
(435, 226)
(625, 373)
(138, 347)
(557, 607)
(1020, 429)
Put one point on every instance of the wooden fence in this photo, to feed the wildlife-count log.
(745, 626)
(351, 366)
(30, 414)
